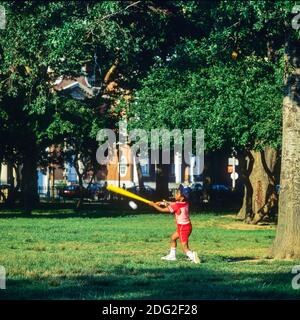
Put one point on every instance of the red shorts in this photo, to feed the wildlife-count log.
(184, 231)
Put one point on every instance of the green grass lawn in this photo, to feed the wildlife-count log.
(104, 253)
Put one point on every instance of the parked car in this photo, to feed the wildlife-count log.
(223, 195)
(219, 193)
(147, 192)
(196, 186)
(196, 194)
(96, 190)
(220, 188)
(214, 194)
(73, 192)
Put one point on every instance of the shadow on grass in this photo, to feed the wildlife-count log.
(66, 211)
(168, 283)
(238, 259)
(91, 210)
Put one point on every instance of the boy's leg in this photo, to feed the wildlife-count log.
(185, 232)
(185, 247)
(192, 255)
(172, 254)
(174, 238)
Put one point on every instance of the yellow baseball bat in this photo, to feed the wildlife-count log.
(126, 193)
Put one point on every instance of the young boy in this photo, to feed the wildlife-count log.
(184, 226)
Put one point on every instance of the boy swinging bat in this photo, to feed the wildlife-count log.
(184, 226)
(181, 210)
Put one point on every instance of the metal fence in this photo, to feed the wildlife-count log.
(50, 194)
(45, 192)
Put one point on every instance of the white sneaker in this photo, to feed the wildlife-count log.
(169, 257)
(195, 259)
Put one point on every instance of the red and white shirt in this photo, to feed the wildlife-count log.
(181, 210)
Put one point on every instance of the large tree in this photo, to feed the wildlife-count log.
(236, 103)
(28, 102)
(227, 79)
(124, 37)
(254, 34)
(287, 242)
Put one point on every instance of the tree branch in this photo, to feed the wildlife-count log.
(118, 12)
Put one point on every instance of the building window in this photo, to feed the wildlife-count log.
(123, 165)
(145, 167)
(173, 169)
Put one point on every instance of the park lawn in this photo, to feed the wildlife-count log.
(106, 253)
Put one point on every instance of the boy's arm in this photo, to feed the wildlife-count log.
(164, 203)
(158, 208)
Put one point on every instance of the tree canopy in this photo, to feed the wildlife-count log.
(216, 65)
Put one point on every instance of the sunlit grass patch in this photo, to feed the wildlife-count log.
(107, 255)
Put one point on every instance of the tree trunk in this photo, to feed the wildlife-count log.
(11, 181)
(162, 181)
(258, 175)
(287, 241)
(80, 200)
(29, 178)
(246, 162)
(140, 175)
(259, 181)
(242, 213)
(18, 176)
(15, 185)
(207, 178)
(266, 197)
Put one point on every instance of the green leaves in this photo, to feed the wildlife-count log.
(237, 102)
(176, 57)
(59, 126)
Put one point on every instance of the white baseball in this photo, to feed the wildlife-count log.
(133, 205)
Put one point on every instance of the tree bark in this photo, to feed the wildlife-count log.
(18, 176)
(80, 200)
(258, 175)
(29, 177)
(246, 162)
(80, 182)
(207, 178)
(11, 181)
(266, 186)
(162, 181)
(140, 175)
(287, 241)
